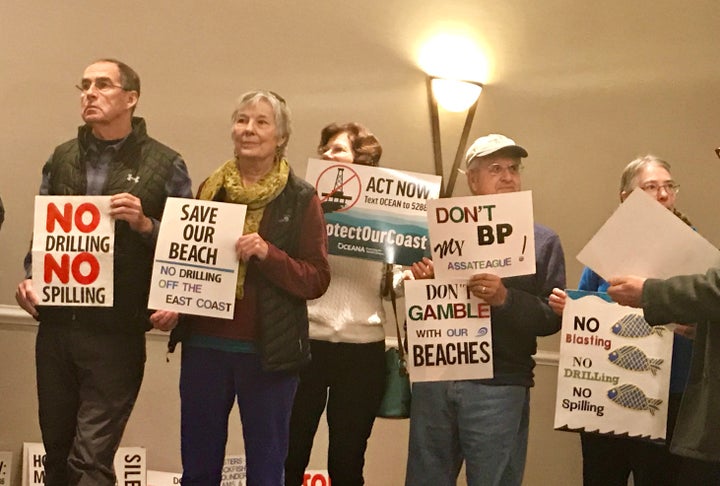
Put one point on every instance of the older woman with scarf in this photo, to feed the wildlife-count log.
(254, 357)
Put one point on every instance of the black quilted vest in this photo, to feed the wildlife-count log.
(283, 339)
(141, 167)
(283, 318)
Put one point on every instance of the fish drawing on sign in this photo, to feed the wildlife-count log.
(634, 326)
(630, 396)
(634, 359)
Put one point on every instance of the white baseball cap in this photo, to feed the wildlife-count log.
(490, 144)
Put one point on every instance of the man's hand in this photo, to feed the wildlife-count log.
(127, 207)
(488, 287)
(27, 298)
(164, 320)
(626, 290)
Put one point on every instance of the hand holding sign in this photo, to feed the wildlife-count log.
(488, 287)
(127, 207)
(164, 320)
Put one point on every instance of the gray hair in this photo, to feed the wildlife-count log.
(628, 180)
(279, 107)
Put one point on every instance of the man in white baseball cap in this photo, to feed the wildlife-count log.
(492, 143)
(485, 422)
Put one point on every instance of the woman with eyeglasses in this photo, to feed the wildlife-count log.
(347, 339)
(282, 263)
(609, 460)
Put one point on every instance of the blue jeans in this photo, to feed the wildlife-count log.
(486, 426)
(210, 381)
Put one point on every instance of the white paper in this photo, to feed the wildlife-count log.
(72, 251)
(448, 330)
(131, 466)
(195, 270)
(6, 468)
(482, 234)
(614, 369)
(643, 238)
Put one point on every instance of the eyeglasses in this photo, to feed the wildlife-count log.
(497, 169)
(101, 84)
(654, 187)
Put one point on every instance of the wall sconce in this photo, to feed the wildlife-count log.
(456, 96)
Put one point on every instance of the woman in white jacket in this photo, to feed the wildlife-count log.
(347, 342)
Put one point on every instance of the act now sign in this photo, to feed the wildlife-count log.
(72, 250)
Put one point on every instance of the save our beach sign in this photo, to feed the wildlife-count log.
(448, 331)
(475, 234)
(72, 251)
(195, 268)
(372, 212)
(613, 371)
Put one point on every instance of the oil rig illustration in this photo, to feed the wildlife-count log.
(335, 199)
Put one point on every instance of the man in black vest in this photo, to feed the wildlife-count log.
(90, 360)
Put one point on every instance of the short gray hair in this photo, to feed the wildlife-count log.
(629, 176)
(279, 107)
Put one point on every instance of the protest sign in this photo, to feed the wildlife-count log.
(130, 465)
(234, 471)
(448, 332)
(163, 478)
(195, 270)
(474, 234)
(72, 251)
(374, 213)
(6, 468)
(316, 478)
(642, 238)
(614, 369)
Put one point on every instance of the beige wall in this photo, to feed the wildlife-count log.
(584, 86)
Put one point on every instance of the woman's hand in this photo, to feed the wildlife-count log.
(164, 320)
(556, 300)
(423, 269)
(251, 245)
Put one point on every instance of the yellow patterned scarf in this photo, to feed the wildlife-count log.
(256, 197)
